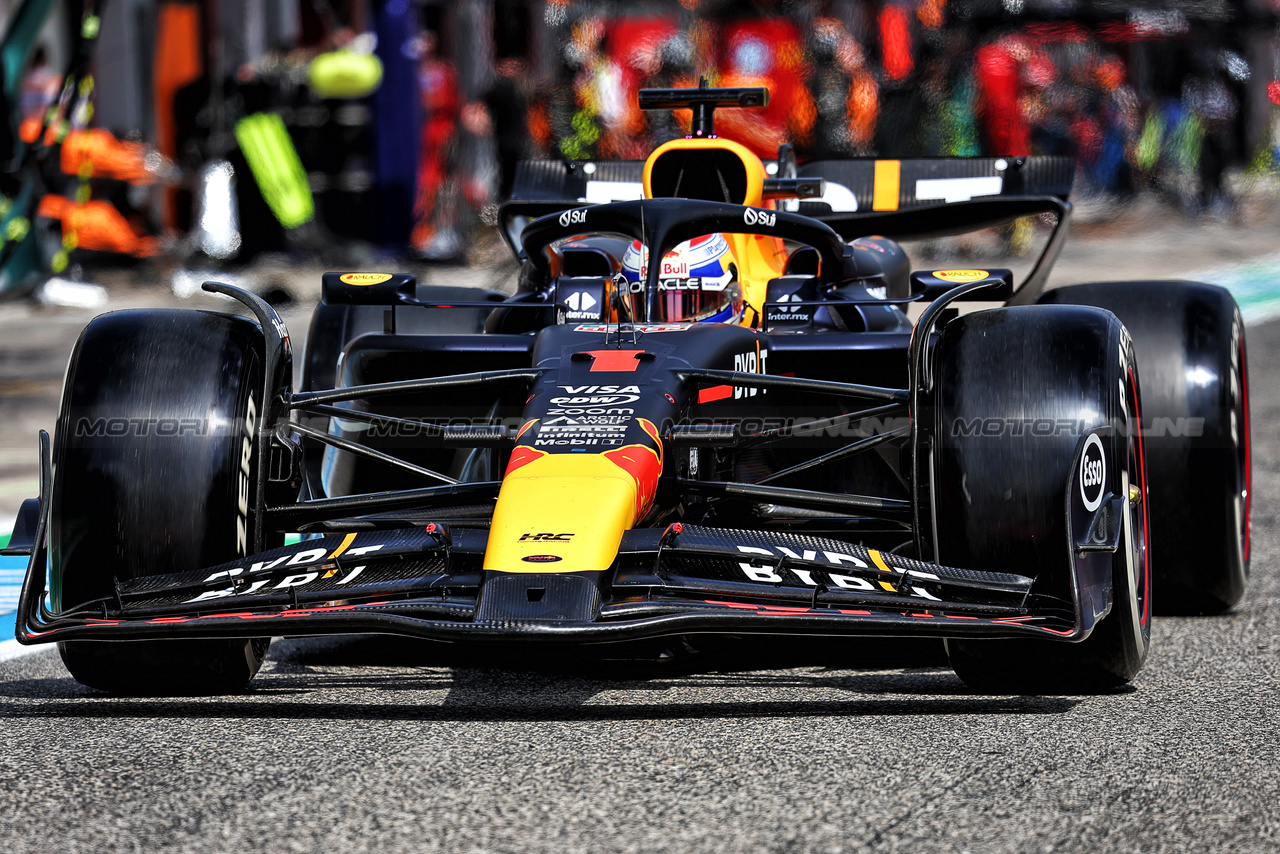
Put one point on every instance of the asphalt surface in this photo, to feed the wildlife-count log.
(369, 744)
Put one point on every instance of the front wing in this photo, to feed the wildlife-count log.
(429, 582)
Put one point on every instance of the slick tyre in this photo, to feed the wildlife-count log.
(149, 459)
(1189, 341)
(1036, 380)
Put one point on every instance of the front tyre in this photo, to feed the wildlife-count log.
(1035, 380)
(154, 471)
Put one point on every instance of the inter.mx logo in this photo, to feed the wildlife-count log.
(790, 298)
(579, 301)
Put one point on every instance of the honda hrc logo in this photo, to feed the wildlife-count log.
(754, 216)
(545, 538)
(577, 216)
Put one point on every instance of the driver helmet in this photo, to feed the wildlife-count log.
(698, 281)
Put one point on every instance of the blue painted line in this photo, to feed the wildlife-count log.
(12, 572)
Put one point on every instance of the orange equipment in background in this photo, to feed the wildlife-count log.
(95, 153)
(97, 225)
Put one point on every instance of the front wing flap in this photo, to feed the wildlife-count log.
(429, 582)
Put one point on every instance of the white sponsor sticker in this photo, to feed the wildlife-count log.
(958, 189)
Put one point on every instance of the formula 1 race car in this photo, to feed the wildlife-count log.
(705, 411)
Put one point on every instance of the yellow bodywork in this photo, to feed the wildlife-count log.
(759, 258)
(585, 500)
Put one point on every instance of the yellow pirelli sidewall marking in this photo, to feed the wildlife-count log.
(584, 500)
(888, 185)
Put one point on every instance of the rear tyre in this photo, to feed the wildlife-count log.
(1189, 340)
(154, 437)
(1037, 379)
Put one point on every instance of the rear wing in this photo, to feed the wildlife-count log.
(904, 199)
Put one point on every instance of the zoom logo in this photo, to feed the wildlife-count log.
(1093, 473)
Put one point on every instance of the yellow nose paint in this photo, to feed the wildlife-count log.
(561, 513)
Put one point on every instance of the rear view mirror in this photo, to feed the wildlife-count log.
(931, 284)
(368, 288)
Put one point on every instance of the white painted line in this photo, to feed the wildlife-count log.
(11, 649)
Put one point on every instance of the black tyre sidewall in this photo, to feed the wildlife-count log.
(149, 478)
(1189, 342)
(1000, 498)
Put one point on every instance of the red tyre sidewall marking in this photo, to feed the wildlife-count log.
(1248, 453)
(1142, 475)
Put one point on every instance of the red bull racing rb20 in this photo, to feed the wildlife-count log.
(705, 411)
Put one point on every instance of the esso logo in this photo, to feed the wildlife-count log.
(752, 216)
(577, 216)
(1093, 473)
